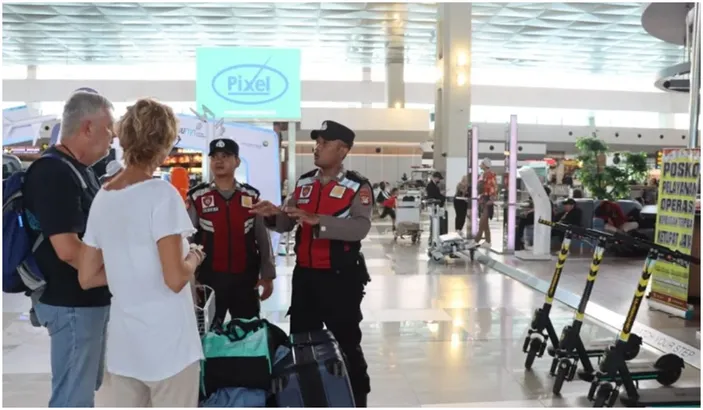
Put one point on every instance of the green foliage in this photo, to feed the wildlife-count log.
(608, 182)
(636, 167)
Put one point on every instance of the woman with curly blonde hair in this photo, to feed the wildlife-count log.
(138, 228)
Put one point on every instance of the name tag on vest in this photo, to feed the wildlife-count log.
(337, 192)
(247, 201)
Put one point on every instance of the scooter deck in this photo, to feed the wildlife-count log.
(595, 348)
(638, 370)
(664, 397)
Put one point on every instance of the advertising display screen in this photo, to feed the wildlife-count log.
(249, 83)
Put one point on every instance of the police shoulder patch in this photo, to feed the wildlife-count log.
(365, 195)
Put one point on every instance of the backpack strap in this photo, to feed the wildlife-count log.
(70, 165)
(83, 184)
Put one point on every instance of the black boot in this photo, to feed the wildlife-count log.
(361, 400)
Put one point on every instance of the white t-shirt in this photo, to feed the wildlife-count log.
(152, 333)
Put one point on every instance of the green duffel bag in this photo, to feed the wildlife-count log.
(240, 353)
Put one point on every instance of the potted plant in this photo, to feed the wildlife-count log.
(608, 182)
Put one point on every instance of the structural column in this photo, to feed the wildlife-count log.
(395, 57)
(395, 85)
(693, 23)
(366, 85)
(453, 97)
(32, 75)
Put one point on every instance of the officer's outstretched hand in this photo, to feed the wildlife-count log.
(267, 285)
(302, 216)
(265, 209)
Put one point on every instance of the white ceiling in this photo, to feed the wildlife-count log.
(592, 37)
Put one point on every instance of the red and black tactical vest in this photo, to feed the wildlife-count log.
(335, 199)
(226, 229)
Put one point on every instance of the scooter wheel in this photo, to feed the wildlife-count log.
(670, 367)
(535, 345)
(562, 373)
(603, 394)
(613, 397)
(592, 391)
(553, 367)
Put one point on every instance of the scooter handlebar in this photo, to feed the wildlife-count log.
(579, 231)
(621, 237)
(669, 255)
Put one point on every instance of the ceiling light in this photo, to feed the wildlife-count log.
(396, 16)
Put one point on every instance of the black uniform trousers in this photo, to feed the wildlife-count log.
(333, 298)
(234, 292)
(461, 207)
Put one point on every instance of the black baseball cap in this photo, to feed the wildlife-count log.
(332, 131)
(569, 201)
(225, 145)
(437, 174)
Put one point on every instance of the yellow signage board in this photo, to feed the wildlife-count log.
(678, 187)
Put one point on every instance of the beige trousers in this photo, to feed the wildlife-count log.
(626, 227)
(180, 390)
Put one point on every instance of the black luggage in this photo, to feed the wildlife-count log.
(313, 374)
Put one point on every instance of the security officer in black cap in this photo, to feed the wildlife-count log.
(239, 258)
(332, 208)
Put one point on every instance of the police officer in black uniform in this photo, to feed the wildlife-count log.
(239, 257)
(332, 208)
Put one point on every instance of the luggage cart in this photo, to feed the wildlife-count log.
(451, 244)
(204, 299)
(407, 216)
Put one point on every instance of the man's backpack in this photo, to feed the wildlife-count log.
(20, 272)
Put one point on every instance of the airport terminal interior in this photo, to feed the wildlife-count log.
(588, 107)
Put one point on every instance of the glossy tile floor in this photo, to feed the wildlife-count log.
(434, 335)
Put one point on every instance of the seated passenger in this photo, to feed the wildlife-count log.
(571, 215)
(137, 230)
(614, 218)
(389, 206)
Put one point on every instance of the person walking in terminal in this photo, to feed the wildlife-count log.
(488, 188)
(58, 193)
(389, 205)
(333, 209)
(238, 246)
(138, 231)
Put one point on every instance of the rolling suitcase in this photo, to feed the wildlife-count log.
(313, 374)
(444, 224)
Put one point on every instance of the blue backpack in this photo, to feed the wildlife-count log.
(20, 272)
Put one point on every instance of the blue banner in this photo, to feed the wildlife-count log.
(249, 83)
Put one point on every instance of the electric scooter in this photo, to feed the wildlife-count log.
(570, 349)
(541, 328)
(613, 368)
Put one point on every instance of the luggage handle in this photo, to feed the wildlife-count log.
(246, 327)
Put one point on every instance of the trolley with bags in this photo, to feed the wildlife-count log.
(407, 216)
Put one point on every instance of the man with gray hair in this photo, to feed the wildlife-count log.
(58, 191)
